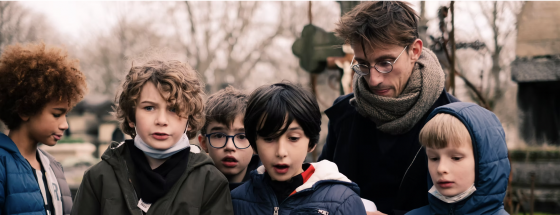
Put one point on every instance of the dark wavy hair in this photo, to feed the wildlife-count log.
(271, 109)
(379, 23)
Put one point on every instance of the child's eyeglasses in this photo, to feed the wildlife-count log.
(219, 140)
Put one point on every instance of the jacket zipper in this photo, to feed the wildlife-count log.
(130, 181)
(451, 210)
(276, 209)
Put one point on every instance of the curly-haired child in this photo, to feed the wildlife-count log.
(158, 171)
(39, 84)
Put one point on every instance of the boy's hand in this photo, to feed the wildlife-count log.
(375, 213)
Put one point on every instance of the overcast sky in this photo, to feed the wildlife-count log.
(76, 19)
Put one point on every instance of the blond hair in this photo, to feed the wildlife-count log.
(444, 129)
(177, 83)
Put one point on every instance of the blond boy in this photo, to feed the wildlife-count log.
(467, 161)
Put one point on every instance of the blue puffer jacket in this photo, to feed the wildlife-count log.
(19, 191)
(492, 164)
(326, 192)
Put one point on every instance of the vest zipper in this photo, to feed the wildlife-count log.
(276, 210)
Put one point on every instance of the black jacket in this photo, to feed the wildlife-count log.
(377, 161)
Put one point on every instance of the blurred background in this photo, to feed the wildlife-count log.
(504, 56)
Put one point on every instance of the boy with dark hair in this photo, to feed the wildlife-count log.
(224, 120)
(157, 172)
(467, 160)
(39, 85)
(282, 123)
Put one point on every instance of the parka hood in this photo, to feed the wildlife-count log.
(491, 161)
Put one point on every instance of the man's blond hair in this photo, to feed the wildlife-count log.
(444, 129)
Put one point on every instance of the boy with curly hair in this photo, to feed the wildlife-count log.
(39, 85)
(156, 172)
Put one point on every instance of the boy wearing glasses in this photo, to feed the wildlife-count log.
(223, 136)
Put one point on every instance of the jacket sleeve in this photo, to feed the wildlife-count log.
(217, 197)
(86, 201)
(330, 145)
(2, 186)
(353, 205)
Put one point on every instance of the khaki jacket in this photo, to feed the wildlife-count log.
(107, 188)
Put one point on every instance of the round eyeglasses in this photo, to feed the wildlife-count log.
(382, 67)
(219, 140)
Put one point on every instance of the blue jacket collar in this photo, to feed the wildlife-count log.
(491, 157)
(325, 172)
(7, 144)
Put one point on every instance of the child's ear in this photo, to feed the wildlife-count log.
(130, 123)
(202, 142)
(23, 117)
(189, 128)
(311, 149)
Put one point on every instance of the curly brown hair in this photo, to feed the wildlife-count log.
(223, 106)
(33, 75)
(178, 84)
(379, 23)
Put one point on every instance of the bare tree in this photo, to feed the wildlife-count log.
(15, 24)
(19, 24)
(107, 58)
(502, 20)
(243, 44)
(228, 41)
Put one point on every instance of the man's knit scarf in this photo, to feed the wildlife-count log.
(399, 115)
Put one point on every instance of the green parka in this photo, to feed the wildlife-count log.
(107, 188)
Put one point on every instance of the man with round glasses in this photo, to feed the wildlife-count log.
(223, 136)
(373, 132)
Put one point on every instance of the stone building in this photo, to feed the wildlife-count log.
(537, 72)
